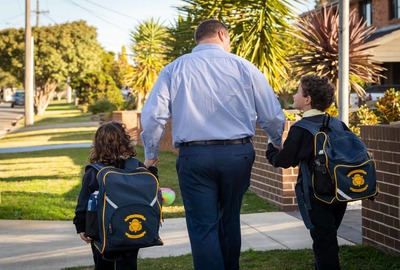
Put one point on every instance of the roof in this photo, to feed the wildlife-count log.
(384, 31)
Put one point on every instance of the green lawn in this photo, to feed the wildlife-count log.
(44, 185)
(359, 257)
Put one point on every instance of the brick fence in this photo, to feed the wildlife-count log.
(276, 185)
(380, 219)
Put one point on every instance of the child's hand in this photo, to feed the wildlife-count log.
(151, 162)
(85, 238)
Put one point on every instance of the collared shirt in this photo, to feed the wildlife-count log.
(210, 94)
(312, 112)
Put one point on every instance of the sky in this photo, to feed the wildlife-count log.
(114, 19)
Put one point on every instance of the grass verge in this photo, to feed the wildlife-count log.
(358, 257)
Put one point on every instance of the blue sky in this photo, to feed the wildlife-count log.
(114, 19)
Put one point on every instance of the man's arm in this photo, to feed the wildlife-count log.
(154, 116)
(270, 116)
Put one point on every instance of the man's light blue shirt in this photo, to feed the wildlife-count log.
(210, 94)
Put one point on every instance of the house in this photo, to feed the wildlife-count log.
(385, 16)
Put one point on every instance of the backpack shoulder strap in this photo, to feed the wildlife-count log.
(335, 123)
(303, 195)
(131, 164)
(97, 166)
(308, 125)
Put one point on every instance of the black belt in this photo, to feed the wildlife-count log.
(217, 142)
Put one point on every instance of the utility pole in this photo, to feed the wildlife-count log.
(28, 66)
(343, 101)
(38, 12)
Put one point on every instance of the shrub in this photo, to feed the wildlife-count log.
(333, 111)
(130, 104)
(102, 106)
(389, 106)
(290, 116)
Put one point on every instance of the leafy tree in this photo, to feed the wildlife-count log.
(182, 37)
(7, 80)
(62, 50)
(100, 84)
(149, 55)
(121, 69)
(320, 33)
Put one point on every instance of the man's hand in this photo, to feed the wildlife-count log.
(150, 162)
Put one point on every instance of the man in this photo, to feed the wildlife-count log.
(214, 99)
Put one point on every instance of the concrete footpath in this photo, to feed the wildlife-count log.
(53, 245)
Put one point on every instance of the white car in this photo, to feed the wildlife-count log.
(126, 92)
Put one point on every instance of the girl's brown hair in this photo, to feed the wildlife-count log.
(112, 144)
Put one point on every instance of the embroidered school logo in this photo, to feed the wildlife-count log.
(135, 226)
(357, 177)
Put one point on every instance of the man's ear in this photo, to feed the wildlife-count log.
(221, 35)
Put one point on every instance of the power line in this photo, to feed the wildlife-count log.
(50, 18)
(109, 9)
(93, 14)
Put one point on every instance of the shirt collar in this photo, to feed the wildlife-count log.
(206, 46)
(312, 112)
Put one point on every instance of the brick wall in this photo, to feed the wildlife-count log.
(381, 218)
(380, 13)
(276, 185)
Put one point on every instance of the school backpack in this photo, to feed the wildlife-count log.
(129, 209)
(342, 170)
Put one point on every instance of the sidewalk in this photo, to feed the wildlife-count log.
(51, 245)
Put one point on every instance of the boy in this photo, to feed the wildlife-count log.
(315, 94)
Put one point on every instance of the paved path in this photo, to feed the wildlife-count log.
(51, 245)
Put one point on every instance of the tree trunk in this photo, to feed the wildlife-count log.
(139, 101)
(43, 97)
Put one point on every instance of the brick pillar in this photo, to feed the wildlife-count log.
(166, 142)
(381, 218)
(130, 119)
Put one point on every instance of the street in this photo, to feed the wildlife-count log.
(9, 117)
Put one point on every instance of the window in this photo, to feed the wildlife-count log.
(366, 11)
(394, 9)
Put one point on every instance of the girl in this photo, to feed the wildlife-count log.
(111, 146)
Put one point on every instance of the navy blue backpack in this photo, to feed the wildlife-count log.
(342, 170)
(129, 209)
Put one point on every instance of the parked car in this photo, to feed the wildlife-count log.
(18, 98)
(126, 92)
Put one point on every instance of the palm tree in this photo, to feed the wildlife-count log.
(149, 55)
(320, 33)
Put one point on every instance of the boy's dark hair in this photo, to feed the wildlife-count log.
(208, 28)
(321, 91)
(112, 144)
